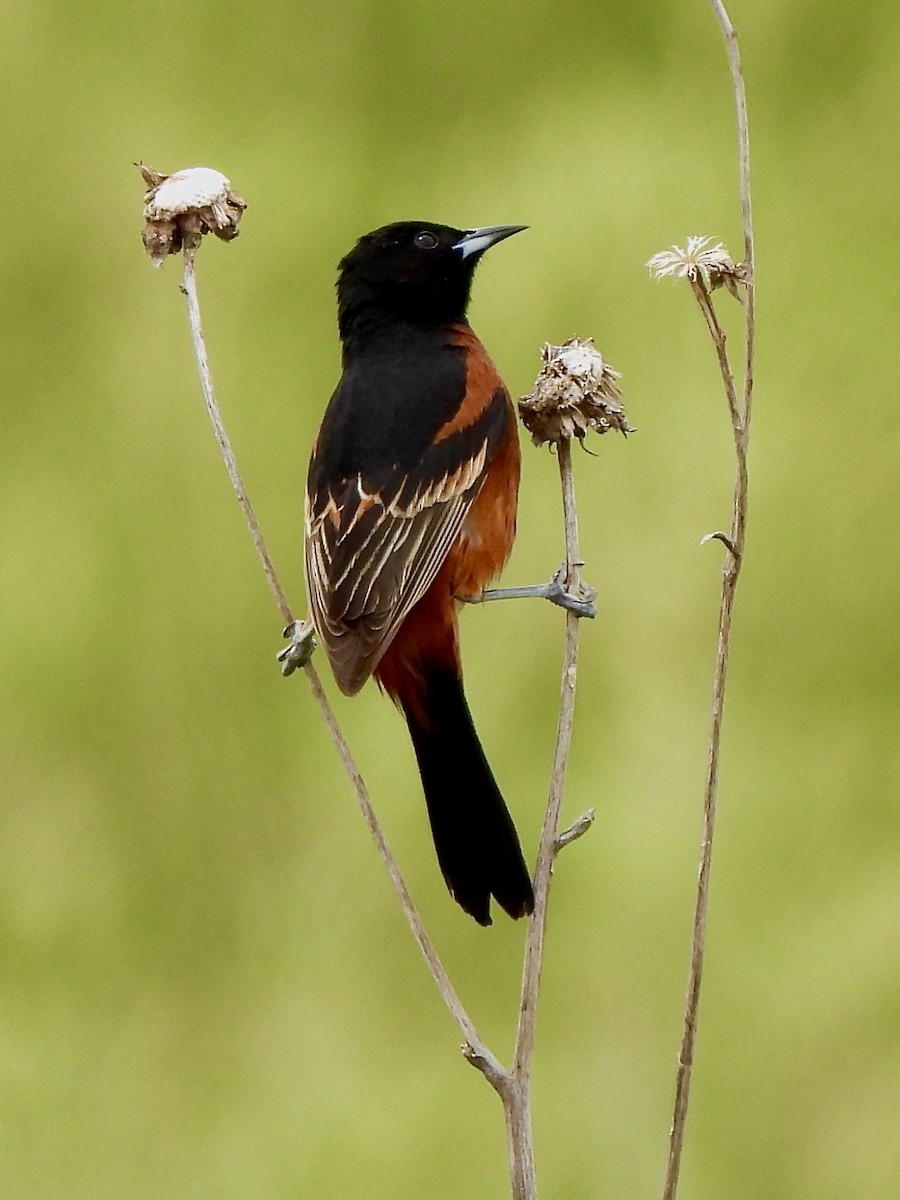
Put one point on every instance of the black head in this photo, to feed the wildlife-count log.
(414, 271)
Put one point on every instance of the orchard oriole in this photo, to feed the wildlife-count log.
(410, 507)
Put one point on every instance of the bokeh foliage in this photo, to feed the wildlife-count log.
(207, 988)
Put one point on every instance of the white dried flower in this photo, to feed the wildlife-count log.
(179, 209)
(575, 391)
(699, 260)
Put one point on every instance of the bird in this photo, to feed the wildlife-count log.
(410, 509)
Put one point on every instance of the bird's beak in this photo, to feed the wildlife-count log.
(476, 241)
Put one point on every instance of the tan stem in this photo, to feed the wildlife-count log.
(740, 422)
(518, 1104)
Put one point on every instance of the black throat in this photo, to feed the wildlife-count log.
(370, 312)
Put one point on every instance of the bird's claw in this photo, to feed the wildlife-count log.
(582, 603)
(300, 649)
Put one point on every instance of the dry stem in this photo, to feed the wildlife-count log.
(517, 1100)
(740, 421)
(189, 287)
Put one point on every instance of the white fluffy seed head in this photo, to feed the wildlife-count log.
(195, 187)
(180, 208)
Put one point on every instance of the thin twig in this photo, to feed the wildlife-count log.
(743, 127)
(518, 1100)
(717, 333)
(740, 419)
(189, 287)
(474, 1049)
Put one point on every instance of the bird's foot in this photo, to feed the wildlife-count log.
(300, 649)
(580, 601)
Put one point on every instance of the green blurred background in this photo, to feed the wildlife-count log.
(207, 987)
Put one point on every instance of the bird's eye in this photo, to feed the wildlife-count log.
(425, 240)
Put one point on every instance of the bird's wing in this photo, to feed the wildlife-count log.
(375, 541)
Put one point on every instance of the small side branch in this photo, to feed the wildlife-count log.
(720, 536)
(576, 830)
(717, 334)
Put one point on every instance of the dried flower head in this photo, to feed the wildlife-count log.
(179, 209)
(699, 260)
(574, 392)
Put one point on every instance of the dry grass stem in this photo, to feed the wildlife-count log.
(518, 1102)
(739, 410)
(575, 391)
(189, 288)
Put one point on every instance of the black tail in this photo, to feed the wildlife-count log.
(476, 841)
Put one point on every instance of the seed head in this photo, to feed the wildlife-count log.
(575, 391)
(699, 260)
(179, 209)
